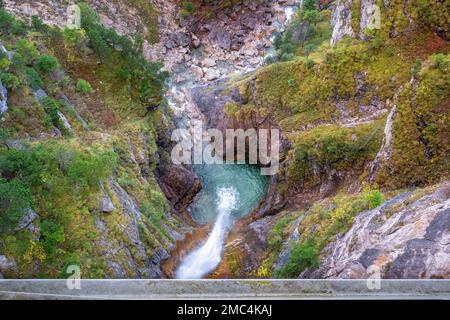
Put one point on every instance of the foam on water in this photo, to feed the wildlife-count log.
(206, 258)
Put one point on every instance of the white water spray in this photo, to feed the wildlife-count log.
(206, 258)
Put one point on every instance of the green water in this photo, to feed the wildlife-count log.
(247, 180)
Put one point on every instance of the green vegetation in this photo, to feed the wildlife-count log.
(46, 64)
(57, 180)
(303, 256)
(63, 178)
(320, 225)
(27, 51)
(10, 80)
(9, 25)
(33, 78)
(309, 30)
(84, 87)
(187, 8)
(329, 148)
(279, 232)
(15, 198)
(420, 128)
(145, 78)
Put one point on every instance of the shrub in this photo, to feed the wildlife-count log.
(18, 28)
(417, 67)
(6, 21)
(33, 78)
(375, 199)
(51, 107)
(84, 87)
(15, 198)
(37, 24)
(310, 63)
(9, 80)
(303, 256)
(187, 9)
(46, 64)
(4, 61)
(53, 235)
(86, 171)
(439, 61)
(27, 50)
(19, 164)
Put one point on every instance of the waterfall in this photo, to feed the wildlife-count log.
(3, 98)
(206, 258)
(3, 89)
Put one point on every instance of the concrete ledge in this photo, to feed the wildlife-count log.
(224, 289)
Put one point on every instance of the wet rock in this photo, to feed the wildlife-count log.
(178, 184)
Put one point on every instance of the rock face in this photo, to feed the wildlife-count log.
(3, 89)
(179, 185)
(28, 218)
(3, 98)
(130, 258)
(406, 238)
(340, 22)
(285, 253)
(106, 205)
(6, 266)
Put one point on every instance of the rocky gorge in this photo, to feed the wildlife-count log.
(339, 205)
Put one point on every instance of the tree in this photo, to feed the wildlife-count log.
(47, 64)
(27, 50)
(6, 21)
(33, 79)
(38, 25)
(15, 198)
(18, 28)
(10, 80)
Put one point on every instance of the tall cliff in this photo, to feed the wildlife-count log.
(85, 136)
(359, 90)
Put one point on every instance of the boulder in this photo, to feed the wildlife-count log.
(28, 217)
(7, 265)
(211, 75)
(106, 205)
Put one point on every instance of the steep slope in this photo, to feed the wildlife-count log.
(85, 173)
(363, 114)
(79, 150)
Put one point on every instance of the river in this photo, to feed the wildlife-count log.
(230, 192)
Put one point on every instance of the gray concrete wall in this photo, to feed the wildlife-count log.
(225, 289)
